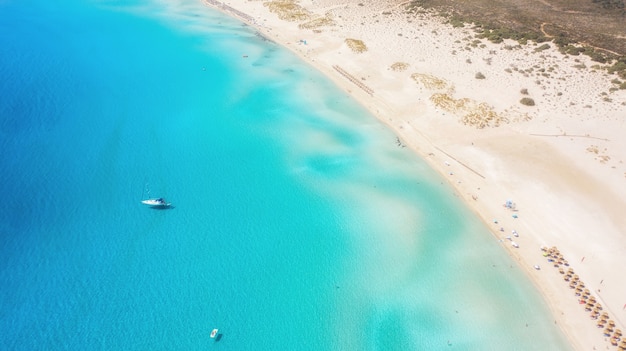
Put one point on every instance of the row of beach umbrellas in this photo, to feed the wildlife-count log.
(585, 298)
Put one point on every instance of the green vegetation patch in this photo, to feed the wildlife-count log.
(498, 34)
(599, 23)
(545, 46)
(619, 67)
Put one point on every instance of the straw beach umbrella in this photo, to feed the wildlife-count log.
(592, 298)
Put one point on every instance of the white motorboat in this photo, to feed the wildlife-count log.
(160, 202)
(214, 333)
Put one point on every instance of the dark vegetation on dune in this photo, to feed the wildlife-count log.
(596, 28)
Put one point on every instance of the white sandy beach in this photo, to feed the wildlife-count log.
(560, 161)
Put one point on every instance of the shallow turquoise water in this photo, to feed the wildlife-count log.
(298, 223)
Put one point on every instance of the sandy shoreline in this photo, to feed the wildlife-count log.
(560, 161)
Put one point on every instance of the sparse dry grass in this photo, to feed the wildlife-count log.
(430, 82)
(288, 10)
(474, 114)
(594, 149)
(356, 45)
(399, 66)
(326, 21)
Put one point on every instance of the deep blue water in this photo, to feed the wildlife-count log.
(298, 224)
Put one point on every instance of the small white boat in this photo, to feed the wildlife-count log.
(214, 333)
(160, 202)
(537, 267)
(514, 244)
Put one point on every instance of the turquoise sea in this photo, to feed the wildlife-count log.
(298, 223)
